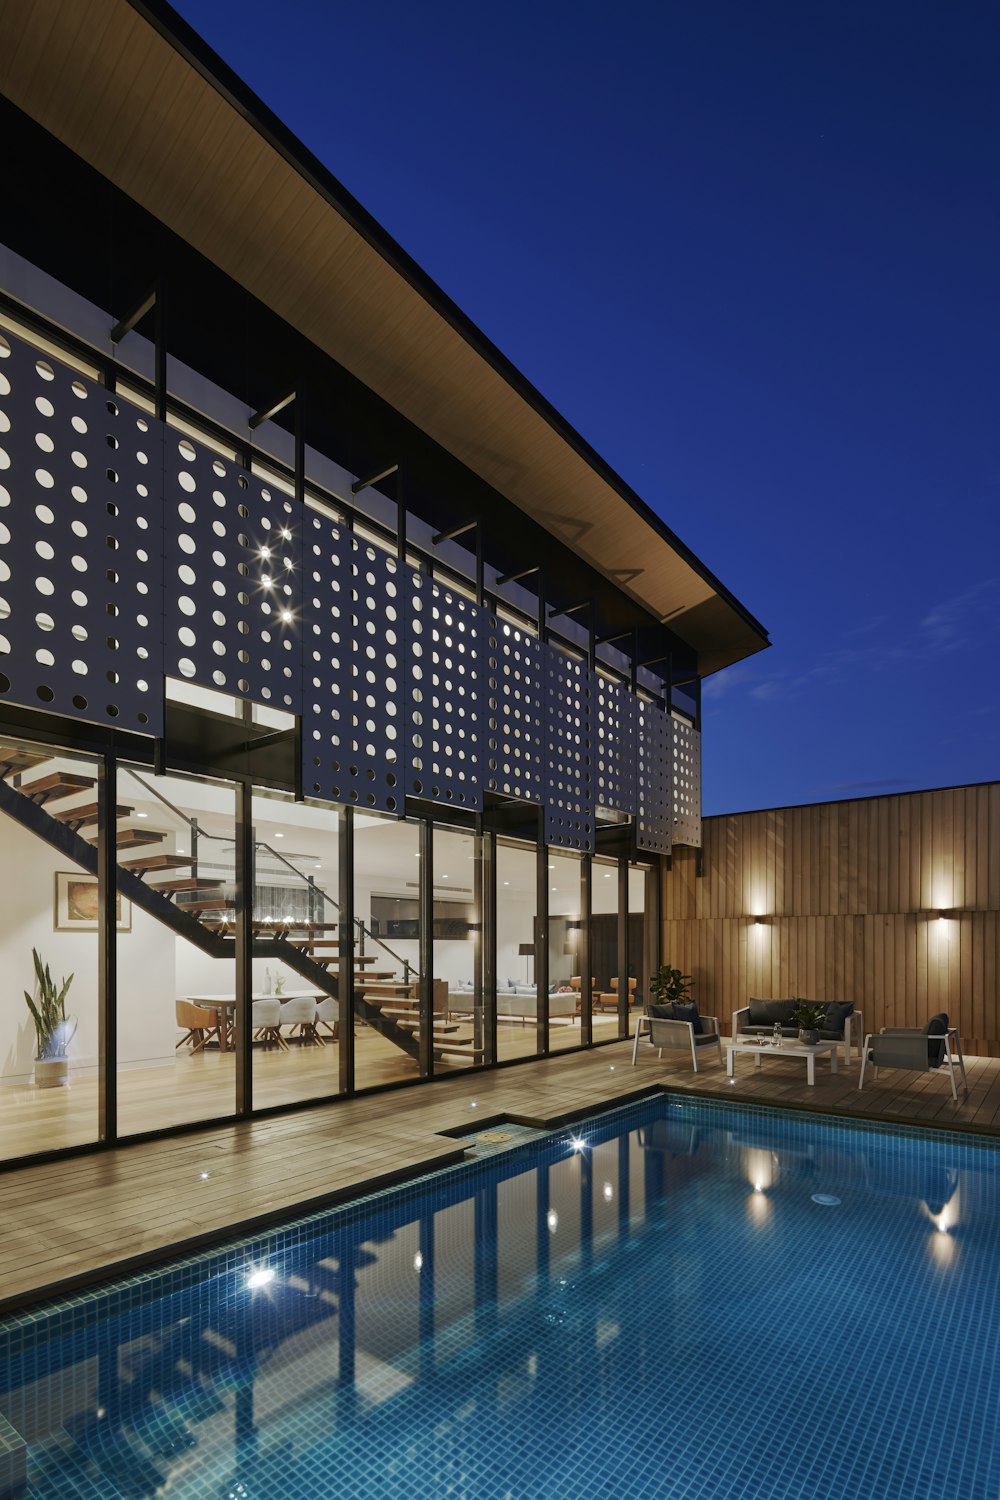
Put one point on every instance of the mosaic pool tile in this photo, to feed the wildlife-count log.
(666, 1311)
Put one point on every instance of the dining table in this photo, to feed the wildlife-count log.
(225, 1005)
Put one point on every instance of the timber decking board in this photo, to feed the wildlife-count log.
(77, 1219)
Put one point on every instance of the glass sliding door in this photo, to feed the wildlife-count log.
(517, 990)
(176, 954)
(604, 948)
(295, 1014)
(459, 1021)
(387, 949)
(565, 948)
(641, 937)
(48, 869)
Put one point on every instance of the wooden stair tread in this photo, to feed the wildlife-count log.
(458, 1049)
(14, 759)
(132, 838)
(157, 862)
(89, 812)
(57, 784)
(215, 903)
(187, 883)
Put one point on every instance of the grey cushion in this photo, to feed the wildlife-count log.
(701, 1038)
(936, 1026)
(662, 1012)
(837, 1012)
(689, 1013)
(766, 1012)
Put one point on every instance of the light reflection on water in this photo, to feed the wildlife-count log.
(501, 1330)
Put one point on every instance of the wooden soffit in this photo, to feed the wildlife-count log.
(130, 89)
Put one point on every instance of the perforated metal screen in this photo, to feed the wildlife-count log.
(569, 770)
(615, 746)
(687, 783)
(515, 719)
(446, 694)
(654, 825)
(232, 605)
(353, 739)
(80, 546)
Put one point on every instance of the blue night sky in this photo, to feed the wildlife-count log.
(751, 252)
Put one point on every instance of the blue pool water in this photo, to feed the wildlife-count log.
(704, 1302)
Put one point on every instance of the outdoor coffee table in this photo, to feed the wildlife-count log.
(787, 1049)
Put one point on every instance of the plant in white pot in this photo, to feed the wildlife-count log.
(54, 1030)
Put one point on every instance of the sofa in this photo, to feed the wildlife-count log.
(843, 1022)
(518, 1002)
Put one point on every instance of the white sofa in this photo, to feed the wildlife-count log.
(520, 1004)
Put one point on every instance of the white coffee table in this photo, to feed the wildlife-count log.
(787, 1049)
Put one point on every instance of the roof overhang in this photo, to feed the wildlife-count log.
(130, 88)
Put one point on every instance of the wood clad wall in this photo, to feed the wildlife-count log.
(848, 892)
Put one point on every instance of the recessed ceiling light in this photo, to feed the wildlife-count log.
(279, 835)
(142, 815)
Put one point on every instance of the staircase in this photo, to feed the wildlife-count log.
(197, 909)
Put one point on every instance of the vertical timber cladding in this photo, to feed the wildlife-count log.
(353, 735)
(655, 818)
(81, 546)
(686, 753)
(615, 746)
(570, 690)
(232, 605)
(515, 723)
(446, 694)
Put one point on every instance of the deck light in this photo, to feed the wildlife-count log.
(204, 1176)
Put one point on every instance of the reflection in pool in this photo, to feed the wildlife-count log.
(693, 1300)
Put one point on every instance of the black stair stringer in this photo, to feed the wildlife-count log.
(84, 854)
(296, 959)
(81, 852)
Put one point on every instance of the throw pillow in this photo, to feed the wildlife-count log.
(936, 1026)
(689, 1013)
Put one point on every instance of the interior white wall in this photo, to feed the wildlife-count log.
(146, 1023)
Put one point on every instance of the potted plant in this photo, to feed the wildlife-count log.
(54, 1030)
(807, 1018)
(669, 986)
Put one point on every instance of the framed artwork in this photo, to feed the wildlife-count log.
(76, 904)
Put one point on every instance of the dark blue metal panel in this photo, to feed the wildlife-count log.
(353, 741)
(515, 722)
(232, 598)
(687, 784)
(80, 546)
(445, 694)
(615, 716)
(655, 759)
(569, 771)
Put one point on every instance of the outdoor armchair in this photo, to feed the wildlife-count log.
(679, 1036)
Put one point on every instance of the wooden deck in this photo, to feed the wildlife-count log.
(76, 1221)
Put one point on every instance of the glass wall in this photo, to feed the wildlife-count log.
(50, 910)
(517, 992)
(641, 937)
(565, 948)
(175, 951)
(459, 1022)
(295, 1011)
(387, 860)
(177, 1010)
(604, 948)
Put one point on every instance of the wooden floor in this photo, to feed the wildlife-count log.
(75, 1221)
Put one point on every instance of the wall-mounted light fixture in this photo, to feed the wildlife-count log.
(758, 921)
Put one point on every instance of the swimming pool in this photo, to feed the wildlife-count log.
(702, 1301)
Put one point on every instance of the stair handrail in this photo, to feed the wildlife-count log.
(320, 890)
(203, 833)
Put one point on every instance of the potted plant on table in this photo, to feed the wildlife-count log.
(807, 1018)
(54, 1030)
